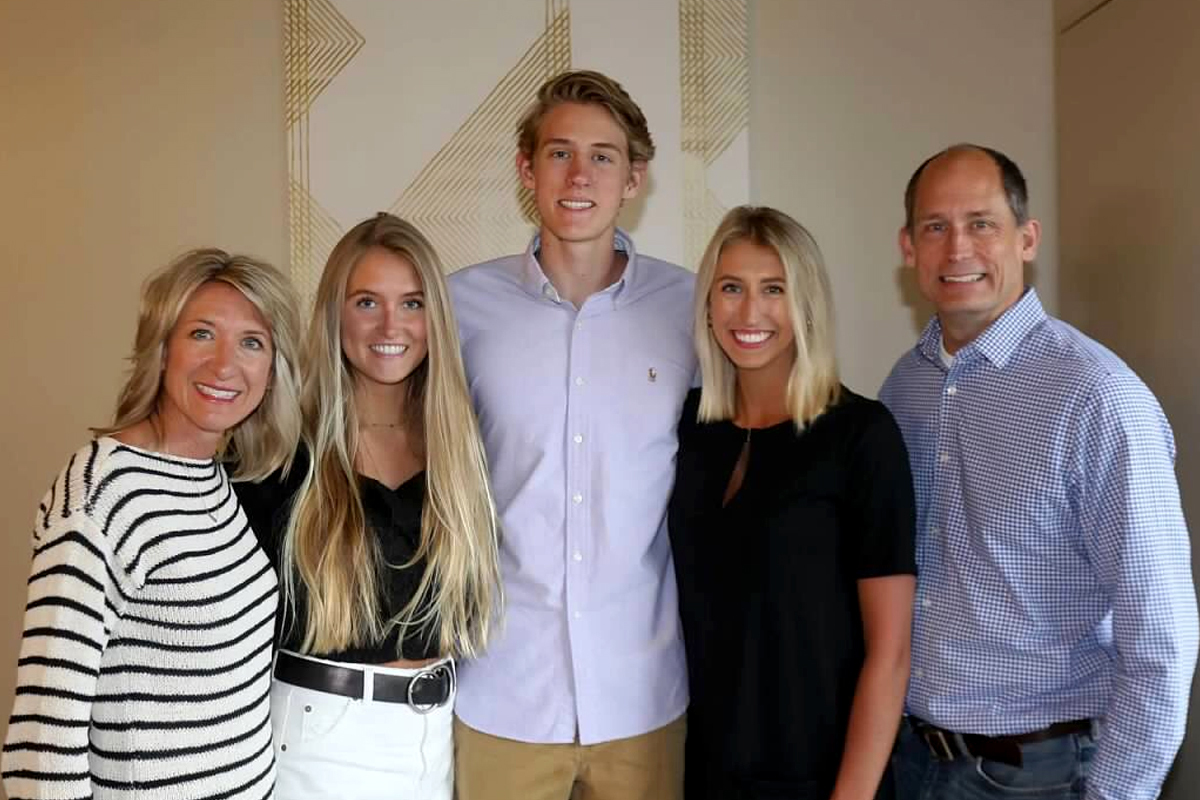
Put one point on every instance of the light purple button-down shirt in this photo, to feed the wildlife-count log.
(578, 410)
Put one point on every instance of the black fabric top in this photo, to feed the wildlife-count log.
(394, 516)
(768, 590)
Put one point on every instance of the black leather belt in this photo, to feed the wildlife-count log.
(425, 691)
(947, 746)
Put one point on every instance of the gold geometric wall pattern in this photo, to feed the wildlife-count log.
(312, 241)
(466, 196)
(714, 77)
(463, 199)
(318, 44)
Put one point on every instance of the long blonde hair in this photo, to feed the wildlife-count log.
(327, 545)
(813, 384)
(266, 440)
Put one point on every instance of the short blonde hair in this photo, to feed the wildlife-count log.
(813, 385)
(266, 440)
(587, 88)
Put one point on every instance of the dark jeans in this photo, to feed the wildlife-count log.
(1052, 770)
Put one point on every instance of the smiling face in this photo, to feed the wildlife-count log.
(966, 245)
(383, 319)
(216, 367)
(750, 314)
(580, 173)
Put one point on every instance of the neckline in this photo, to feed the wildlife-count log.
(760, 430)
(155, 454)
(406, 482)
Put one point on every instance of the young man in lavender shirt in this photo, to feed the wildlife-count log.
(579, 355)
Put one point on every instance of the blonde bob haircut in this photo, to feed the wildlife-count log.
(266, 440)
(814, 384)
(587, 88)
(327, 545)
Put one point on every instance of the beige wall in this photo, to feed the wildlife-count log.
(849, 96)
(132, 130)
(129, 132)
(1129, 124)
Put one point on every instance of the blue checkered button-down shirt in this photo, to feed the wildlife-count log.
(1054, 566)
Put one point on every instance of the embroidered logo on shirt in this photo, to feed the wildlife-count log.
(652, 374)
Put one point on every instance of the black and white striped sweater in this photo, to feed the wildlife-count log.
(146, 657)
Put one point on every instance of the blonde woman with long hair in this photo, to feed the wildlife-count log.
(791, 524)
(146, 657)
(385, 539)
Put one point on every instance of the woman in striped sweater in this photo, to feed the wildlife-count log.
(145, 663)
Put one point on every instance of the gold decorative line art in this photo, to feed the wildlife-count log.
(467, 199)
(312, 243)
(318, 44)
(714, 77)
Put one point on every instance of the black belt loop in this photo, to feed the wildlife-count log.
(423, 692)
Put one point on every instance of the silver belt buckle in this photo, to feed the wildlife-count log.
(428, 675)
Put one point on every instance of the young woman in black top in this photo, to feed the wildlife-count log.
(791, 525)
(385, 540)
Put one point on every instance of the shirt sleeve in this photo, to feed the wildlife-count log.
(73, 603)
(264, 504)
(881, 505)
(1138, 542)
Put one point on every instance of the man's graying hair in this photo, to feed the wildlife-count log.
(1013, 181)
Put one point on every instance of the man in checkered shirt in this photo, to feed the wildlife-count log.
(1055, 629)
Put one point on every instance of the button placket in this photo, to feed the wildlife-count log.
(576, 463)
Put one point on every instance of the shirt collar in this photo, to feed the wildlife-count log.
(998, 341)
(534, 280)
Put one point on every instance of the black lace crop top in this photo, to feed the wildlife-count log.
(395, 517)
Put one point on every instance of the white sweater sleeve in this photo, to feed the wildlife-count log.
(74, 601)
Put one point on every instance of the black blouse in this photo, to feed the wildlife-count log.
(768, 591)
(394, 517)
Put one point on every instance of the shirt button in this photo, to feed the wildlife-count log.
(578, 326)
(935, 530)
(579, 381)
(943, 457)
(951, 390)
(578, 438)
(577, 498)
(918, 673)
(577, 614)
(578, 556)
(926, 603)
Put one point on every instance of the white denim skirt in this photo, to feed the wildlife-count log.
(342, 748)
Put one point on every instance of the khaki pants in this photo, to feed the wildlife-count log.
(646, 767)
